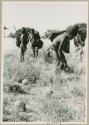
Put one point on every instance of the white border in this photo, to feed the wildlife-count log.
(2, 67)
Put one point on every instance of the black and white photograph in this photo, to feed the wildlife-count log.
(44, 62)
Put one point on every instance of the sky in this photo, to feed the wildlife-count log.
(44, 15)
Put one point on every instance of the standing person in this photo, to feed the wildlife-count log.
(24, 37)
(24, 42)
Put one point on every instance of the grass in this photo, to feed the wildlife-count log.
(44, 96)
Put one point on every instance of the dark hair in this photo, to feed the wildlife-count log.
(73, 30)
(23, 30)
(32, 30)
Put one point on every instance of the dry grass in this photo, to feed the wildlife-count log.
(46, 96)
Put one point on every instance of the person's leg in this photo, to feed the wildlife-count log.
(21, 57)
(61, 54)
(33, 51)
(58, 69)
(64, 62)
(58, 58)
(37, 51)
(21, 53)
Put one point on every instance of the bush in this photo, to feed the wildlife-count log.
(16, 88)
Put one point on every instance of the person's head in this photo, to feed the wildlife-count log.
(32, 31)
(72, 31)
(23, 30)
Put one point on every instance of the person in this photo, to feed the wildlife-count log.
(35, 34)
(24, 37)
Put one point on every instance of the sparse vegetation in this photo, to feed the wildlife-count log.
(33, 92)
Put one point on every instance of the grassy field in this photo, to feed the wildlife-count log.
(33, 92)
